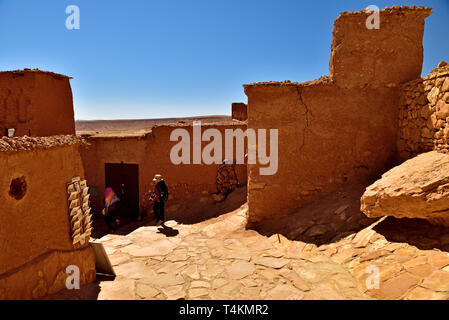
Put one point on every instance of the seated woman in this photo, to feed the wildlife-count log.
(110, 207)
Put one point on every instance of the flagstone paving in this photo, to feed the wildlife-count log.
(219, 259)
(406, 270)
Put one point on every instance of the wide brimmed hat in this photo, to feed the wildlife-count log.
(157, 177)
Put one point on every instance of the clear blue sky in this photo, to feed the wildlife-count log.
(147, 59)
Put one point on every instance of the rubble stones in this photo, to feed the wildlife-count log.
(25, 143)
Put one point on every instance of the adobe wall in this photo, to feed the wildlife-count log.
(188, 183)
(424, 115)
(386, 56)
(240, 111)
(35, 232)
(36, 103)
(151, 151)
(101, 150)
(338, 129)
(338, 136)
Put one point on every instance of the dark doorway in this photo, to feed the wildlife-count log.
(124, 179)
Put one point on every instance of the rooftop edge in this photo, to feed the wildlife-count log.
(27, 70)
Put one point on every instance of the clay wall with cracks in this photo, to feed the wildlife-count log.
(340, 128)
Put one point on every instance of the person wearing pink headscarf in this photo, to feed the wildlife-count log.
(110, 206)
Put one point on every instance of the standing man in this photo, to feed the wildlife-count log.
(159, 196)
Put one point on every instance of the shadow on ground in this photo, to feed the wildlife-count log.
(416, 232)
(196, 213)
(337, 215)
(167, 231)
(322, 221)
(86, 292)
(201, 211)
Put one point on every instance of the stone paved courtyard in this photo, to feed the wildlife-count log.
(219, 259)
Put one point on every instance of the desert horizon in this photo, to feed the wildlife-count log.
(111, 125)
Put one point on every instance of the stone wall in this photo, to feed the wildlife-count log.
(338, 129)
(35, 232)
(240, 111)
(424, 115)
(36, 103)
(188, 183)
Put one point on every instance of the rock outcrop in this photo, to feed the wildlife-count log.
(418, 188)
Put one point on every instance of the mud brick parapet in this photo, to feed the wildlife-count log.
(36, 103)
(239, 111)
(386, 56)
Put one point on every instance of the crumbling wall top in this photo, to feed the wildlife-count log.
(377, 49)
(26, 70)
(385, 56)
(25, 143)
(131, 134)
(187, 124)
(396, 10)
(324, 80)
(434, 75)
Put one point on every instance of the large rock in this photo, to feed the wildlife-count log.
(418, 188)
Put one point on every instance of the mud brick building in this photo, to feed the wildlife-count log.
(340, 128)
(35, 103)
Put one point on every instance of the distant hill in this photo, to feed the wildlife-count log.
(104, 126)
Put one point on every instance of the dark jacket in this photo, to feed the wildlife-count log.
(160, 192)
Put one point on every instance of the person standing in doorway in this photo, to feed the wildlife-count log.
(159, 197)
